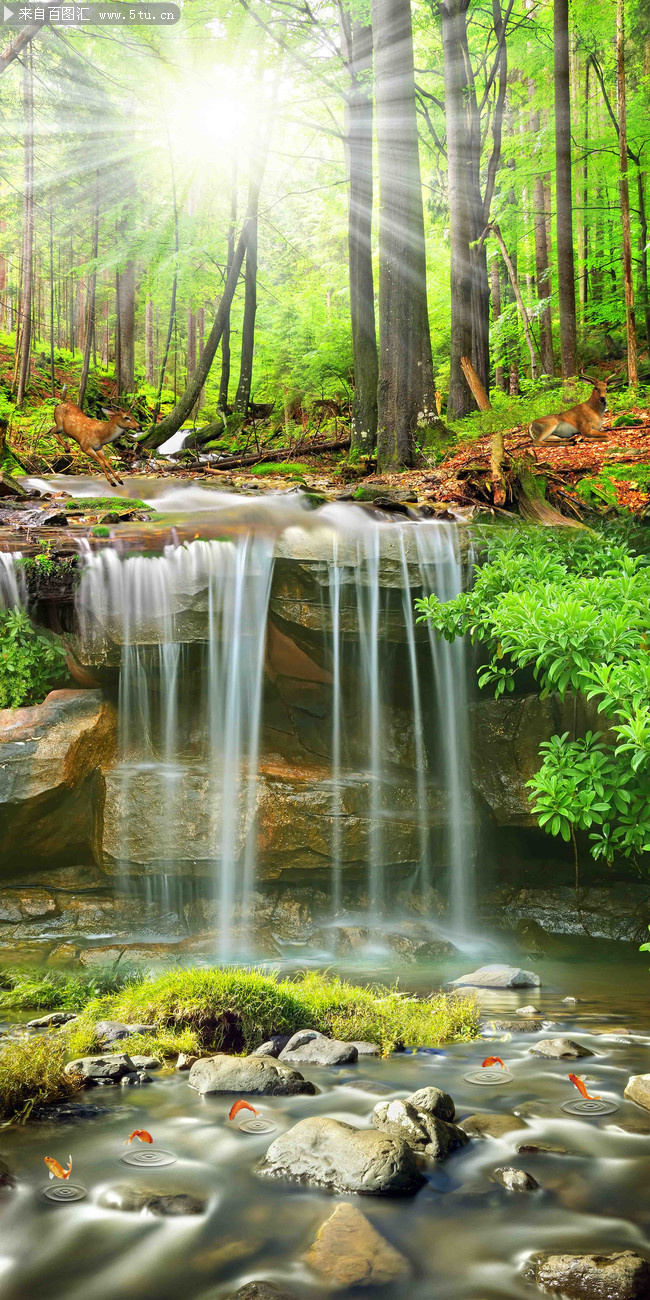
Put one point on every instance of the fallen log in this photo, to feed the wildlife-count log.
(302, 449)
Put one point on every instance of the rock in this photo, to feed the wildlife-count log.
(135, 1080)
(433, 1102)
(422, 1131)
(513, 1026)
(112, 1031)
(559, 1049)
(528, 1011)
(366, 1049)
(499, 977)
(101, 1069)
(146, 1063)
(318, 1050)
(273, 1046)
(349, 1252)
(185, 1061)
(515, 1180)
(331, 1154)
(261, 1291)
(259, 1075)
(7, 1178)
(540, 1148)
(483, 1125)
(52, 1019)
(638, 1090)
(132, 1199)
(622, 1275)
(570, 1002)
(67, 1112)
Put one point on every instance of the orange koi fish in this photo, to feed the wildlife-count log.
(57, 1170)
(580, 1085)
(240, 1105)
(141, 1134)
(493, 1060)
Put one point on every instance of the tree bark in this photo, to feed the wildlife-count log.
(406, 391)
(543, 277)
(90, 301)
(28, 225)
(525, 319)
(453, 15)
(18, 44)
(149, 359)
(126, 367)
(224, 383)
(495, 292)
(565, 259)
(243, 394)
(624, 190)
(356, 42)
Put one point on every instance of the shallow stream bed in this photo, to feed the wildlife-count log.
(466, 1238)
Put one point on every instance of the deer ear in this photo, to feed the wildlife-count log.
(107, 413)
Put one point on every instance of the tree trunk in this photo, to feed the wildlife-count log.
(643, 253)
(565, 260)
(200, 340)
(584, 271)
(356, 41)
(543, 278)
(530, 342)
(90, 302)
(624, 190)
(18, 44)
(243, 394)
(28, 225)
(126, 367)
(224, 382)
(495, 292)
(149, 359)
(460, 401)
(406, 391)
(191, 343)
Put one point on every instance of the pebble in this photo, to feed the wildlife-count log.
(515, 1180)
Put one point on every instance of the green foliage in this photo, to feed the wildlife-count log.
(23, 988)
(290, 469)
(602, 488)
(32, 662)
(574, 611)
(32, 1072)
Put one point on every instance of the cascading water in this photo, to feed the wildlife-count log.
(189, 630)
(11, 581)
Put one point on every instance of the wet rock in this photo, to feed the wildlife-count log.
(559, 1049)
(112, 1031)
(499, 977)
(622, 1275)
(52, 1019)
(483, 1125)
(433, 1102)
(349, 1252)
(259, 1075)
(515, 1180)
(331, 1154)
(423, 1132)
(261, 1291)
(528, 1011)
(570, 1002)
(96, 1070)
(366, 1049)
(185, 1061)
(312, 1048)
(638, 1090)
(67, 1112)
(273, 1046)
(146, 1062)
(132, 1199)
(7, 1178)
(136, 1080)
(537, 1108)
(513, 1026)
(540, 1148)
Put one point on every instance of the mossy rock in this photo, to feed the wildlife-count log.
(627, 422)
(102, 505)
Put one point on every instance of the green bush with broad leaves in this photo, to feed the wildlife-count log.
(576, 611)
(32, 662)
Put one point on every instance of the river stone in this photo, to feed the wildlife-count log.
(349, 1252)
(259, 1075)
(329, 1153)
(273, 1046)
(7, 1179)
(423, 1132)
(433, 1102)
(319, 1050)
(261, 1291)
(135, 1080)
(528, 1011)
(515, 1180)
(185, 1061)
(69, 1112)
(51, 1020)
(101, 1069)
(513, 1026)
(133, 1199)
(483, 1125)
(638, 1090)
(499, 977)
(559, 1049)
(112, 1031)
(146, 1062)
(622, 1275)
(366, 1049)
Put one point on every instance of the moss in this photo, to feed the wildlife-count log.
(102, 530)
(32, 1072)
(99, 505)
(286, 468)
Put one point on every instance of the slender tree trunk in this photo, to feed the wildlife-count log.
(584, 276)
(460, 401)
(28, 224)
(258, 167)
(90, 301)
(525, 320)
(126, 368)
(565, 260)
(356, 40)
(172, 305)
(624, 190)
(200, 338)
(406, 391)
(542, 275)
(191, 343)
(149, 363)
(643, 253)
(495, 291)
(52, 380)
(224, 382)
(71, 300)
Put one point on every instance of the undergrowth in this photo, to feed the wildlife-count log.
(24, 988)
(32, 1072)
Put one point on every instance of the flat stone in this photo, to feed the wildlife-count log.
(433, 1102)
(621, 1275)
(101, 1069)
(319, 1050)
(134, 1199)
(421, 1131)
(528, 1011)
(514, 1026)
(67, 1112)
(559, 1049)
(52, 1019)
(499, 977)
(515, 1180)
(257, 1075)
(273, 1046)
(638, 1090)
(349, 1252)
(366, 1049)
(261, 1291)
(329, 1153)
(483, 1125)
(185, 1061)
(147, 1062)
(135, 1080)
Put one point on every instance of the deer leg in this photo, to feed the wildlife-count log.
(104, 465)
(60, 437)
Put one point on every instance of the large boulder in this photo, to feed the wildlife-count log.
(433, 1102)
(52, 762)
(331, 1154)
(133, 1199)
(308, 1047)
(349, 1252)
(111, 1068)
(422, 1131)
(559, 1049)
(499, 977)
(622, 1275)
(484, 1125)
(257, 1075)
(638, 1090)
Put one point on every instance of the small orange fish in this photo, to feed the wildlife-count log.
(240, 1105)
(494, 1060)
(580, 1085)
(57, 1170)
(140, 1133)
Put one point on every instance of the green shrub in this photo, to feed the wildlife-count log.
(32, 662)
(31, 1074)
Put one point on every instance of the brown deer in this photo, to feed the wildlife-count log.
(585, 419)
(92, 435)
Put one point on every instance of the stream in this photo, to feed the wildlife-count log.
(465, 1237)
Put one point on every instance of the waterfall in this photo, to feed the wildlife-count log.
(12, 587)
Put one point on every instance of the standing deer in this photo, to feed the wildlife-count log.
(586, 418)
(92, 435)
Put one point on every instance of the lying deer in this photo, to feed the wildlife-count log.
(92, 435)
(586, 418)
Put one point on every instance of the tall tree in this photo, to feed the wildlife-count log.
(224, 382)
(624, 190)
(25, 323)
(89, 326)
(406, 391)
(564, 196)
